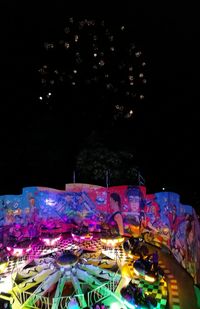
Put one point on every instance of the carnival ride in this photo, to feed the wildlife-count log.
(135, 297)
(144, 267)
(135, 246)
(78, 270)
(81, 234)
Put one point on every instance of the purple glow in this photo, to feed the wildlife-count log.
(50, 202)
(83, 237)
(51, 241)
(18, 251)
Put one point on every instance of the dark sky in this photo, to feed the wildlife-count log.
(38, 146)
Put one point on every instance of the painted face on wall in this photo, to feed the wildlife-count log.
(134, 203)
(115, 202)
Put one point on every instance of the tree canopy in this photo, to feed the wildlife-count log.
(103, 166)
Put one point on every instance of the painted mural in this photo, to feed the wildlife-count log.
(159, 218)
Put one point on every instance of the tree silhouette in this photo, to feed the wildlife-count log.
(100, 165)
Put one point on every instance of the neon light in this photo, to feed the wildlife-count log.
(7, 284)
(127, 304)
(51, 242)
(83, 237)
(112, 242)
(17, 251)
(136, 272)
(131, 256)
(3, 266)
(50, 202)
(148, 278)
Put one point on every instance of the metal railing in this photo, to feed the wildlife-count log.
(45, 302)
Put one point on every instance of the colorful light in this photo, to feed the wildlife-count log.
(148, 278)
(50, 202)
(82, 237)
(51, 241)
(18, 252)
(136, 272)
(112, 242)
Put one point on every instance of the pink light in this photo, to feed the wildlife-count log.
(17, 251)
(55, 240)
(84, 237)
(46, 241)
(51, 242)
(8, 248)
(76, 238)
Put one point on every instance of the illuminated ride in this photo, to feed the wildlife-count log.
(135, 246)
(158, 237)
(144, 268)
(51, 281)
(53, 271)
(112, 242)
(81, 234)
(19, 249)
(134, 297)
(65, 274)
(51, 240)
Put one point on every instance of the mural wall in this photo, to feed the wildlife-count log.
(160, 218)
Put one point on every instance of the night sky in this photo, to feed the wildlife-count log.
(41, 138)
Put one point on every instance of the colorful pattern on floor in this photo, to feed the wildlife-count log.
(173, 286)
(92, 250)
(157, 289)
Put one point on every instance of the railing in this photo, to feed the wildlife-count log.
(45, 302)
(98, 294)
(103, 291)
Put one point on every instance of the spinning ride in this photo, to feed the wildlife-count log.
(146, 269)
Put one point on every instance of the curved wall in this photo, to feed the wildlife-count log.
(159, 217)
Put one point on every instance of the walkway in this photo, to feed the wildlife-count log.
(180, 283)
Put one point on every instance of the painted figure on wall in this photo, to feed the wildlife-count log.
(174, 221)
(10, 217)
(135, 204)
(16, 232)
(152, 227)
(115, 219)
(134, 210)
(190, 244)
(33, 209)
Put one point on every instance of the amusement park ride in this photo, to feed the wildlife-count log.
(95, 247)
(80, 269)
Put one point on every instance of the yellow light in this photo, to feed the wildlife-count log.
(131, 256)
(112, 242)
(148, 278)
(136, 272)
(3, 266)
(7, 284)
